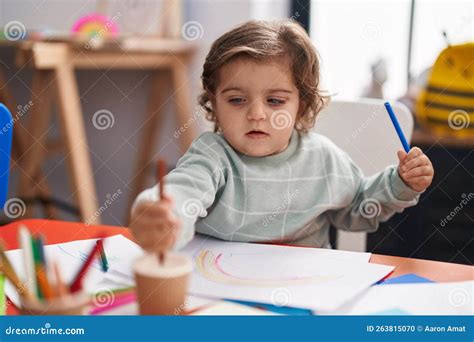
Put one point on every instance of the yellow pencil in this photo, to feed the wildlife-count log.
(13, 278)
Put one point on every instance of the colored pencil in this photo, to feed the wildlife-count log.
(118, 291)
(43, 283)
(41, 270)
(37, 264)
(124, 299)
(103, 257)
(8, 270)
(24, 236)
(40, 242)
(76, 284)
(395, 123)
(13, 278)
(161, 172)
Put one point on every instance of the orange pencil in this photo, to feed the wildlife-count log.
(40, 267)
(160, 174)
(43, 283)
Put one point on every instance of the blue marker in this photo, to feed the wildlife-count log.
(389, 109)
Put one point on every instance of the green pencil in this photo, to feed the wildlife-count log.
(37, 262)
(103, 257)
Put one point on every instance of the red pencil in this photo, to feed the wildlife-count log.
(160, 174)
(76, 284)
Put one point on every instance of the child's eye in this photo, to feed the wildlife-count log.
(236, 101)
(273, 101)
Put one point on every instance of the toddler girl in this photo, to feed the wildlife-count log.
(261, 176)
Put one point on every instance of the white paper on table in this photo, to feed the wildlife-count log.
(416, 299)
(120, 253)
(223, 308)
(201, 241)
(124, 272)
(316, 279)
(195, 302)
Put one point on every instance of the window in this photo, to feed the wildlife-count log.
(351, 35)
(431, 18)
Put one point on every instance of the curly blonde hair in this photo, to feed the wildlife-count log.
(262, 40)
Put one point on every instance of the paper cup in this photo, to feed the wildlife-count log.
(162, 288)
(74, 304)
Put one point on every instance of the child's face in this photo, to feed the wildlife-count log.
(256, 105)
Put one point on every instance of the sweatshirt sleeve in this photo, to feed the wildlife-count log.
(193, 185)
(369, 200)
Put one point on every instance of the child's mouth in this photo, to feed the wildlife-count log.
(256, 134)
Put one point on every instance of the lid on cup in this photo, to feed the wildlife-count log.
(175, 265)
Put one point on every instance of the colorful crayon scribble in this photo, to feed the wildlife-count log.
(209, 265)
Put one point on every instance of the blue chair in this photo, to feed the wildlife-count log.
(6, 134)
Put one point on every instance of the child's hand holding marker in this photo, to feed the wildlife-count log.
(154, 224)
(415, 167)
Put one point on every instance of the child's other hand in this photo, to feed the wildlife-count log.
(415, 169)
(155, 226)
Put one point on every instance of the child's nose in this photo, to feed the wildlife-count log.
(256, 112)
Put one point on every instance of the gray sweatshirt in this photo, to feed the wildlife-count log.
(292, 197)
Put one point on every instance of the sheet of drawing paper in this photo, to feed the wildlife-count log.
(416, 299)
(203, 241)
(120, 253)
(317, 279)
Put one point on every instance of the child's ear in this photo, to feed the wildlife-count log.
(301, 108)
(211, 103)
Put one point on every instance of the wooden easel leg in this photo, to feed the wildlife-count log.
(31, 180)
(186, 120)
(20, 145)
(7, 98)
(151, 127)
(71, 119)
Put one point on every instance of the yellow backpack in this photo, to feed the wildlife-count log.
(446, 105)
